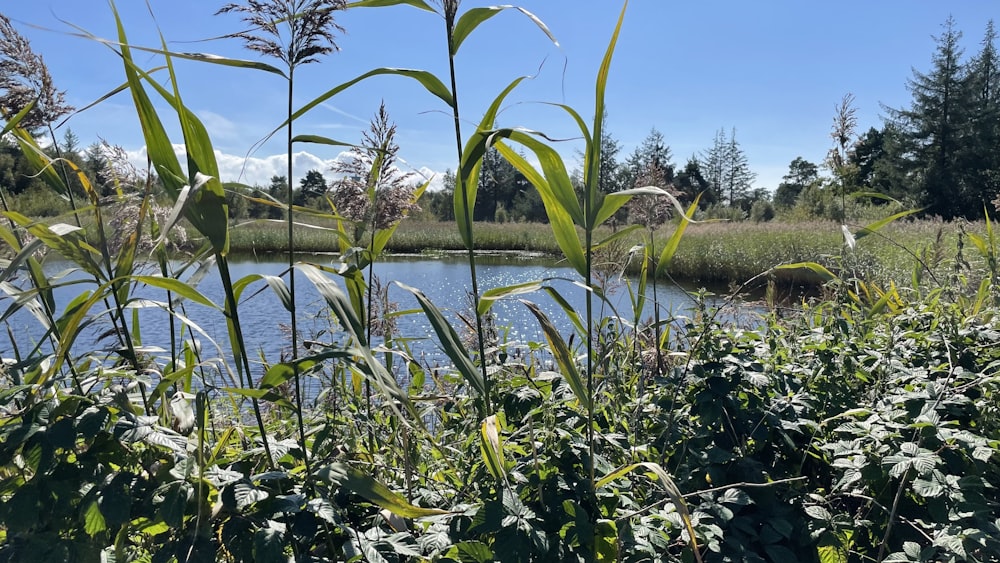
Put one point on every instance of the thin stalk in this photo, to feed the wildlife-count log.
(466, 212)
(291, 278)
(656, 310)
(368, 317)
(227, 284)
(589, 238)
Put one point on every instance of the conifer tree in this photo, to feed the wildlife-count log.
(933, 128)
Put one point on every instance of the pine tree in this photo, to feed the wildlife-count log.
(980, 155)
(737, 177)
(727, 169)
(652, 153)
(933, 128)
(713, 163)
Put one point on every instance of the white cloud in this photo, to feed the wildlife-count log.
(219, 127)
(258, 170)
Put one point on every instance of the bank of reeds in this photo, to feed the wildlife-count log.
(709, 253)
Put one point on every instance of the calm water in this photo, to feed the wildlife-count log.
(265, 321)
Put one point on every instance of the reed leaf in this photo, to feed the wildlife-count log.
(450, 342)
(279, 374)
(490, 296)
(592, 155)
(668, 486)
(39, 160)
(471, 163)
(382, 237)
(276, 283)
(367, 487)
(65, 239)
(563, 356)
(670, 248)
(16, 118)
(178, 288)
(824, 274)
(875, 226)
(491, 447)
(320, 140)
(471, 19)
(70, 324)
(373, 370)
(419, 4)
(552, 190)
(336, 301)
(431, 83)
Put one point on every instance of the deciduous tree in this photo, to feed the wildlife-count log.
(801, 174)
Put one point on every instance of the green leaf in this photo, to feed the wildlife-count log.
(824, 274)
(873, 227)
(13, 121)
(471, 19)
(93, 520)
(668, 486)
(382, 236)
(592, 155)
(818, 512)
(490, 296)
(364, 485)
(555, 189)
(450, 341)
(174, 504)
(561, 352)
(177, 287)
(464, 199)
(269, 395)
(276, 283)
(279, 374)
(431, 83)
(674, 241)
(928, 487)
(268, 544)
(491, 447)
(336, 301)
(65, 239)
(320, 140)
(246, 493)
(419, 4)
(472, 552)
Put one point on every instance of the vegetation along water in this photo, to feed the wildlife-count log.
(861, 423)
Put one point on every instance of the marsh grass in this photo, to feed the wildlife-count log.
(709, 253)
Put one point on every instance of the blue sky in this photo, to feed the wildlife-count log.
(773, 70)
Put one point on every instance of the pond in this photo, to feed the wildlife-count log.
(445, 280)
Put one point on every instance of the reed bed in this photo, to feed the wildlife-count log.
(709, 253)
